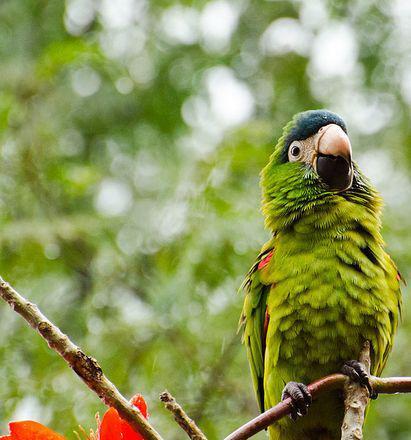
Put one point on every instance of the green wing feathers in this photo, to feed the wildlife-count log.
(394, 303)
(254, 321)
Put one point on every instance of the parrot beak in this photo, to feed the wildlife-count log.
(332, 160)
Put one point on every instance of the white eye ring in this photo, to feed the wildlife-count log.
(295, 151)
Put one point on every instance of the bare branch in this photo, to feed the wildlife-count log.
(84, 366)
(189, 426)
(356, 399)
(328, 383)
(389, 385)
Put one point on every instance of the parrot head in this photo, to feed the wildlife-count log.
(311, 166)
(318, 139)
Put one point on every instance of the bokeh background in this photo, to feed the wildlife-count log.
(132, 134)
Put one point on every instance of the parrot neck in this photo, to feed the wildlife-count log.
(299, 200)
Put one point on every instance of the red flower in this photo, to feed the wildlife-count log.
(113, 427)
(29, 430)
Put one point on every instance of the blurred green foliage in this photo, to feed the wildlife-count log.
(132, 135)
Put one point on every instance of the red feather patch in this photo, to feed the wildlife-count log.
(265, 260)
(265, 329)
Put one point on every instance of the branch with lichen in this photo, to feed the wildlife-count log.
(83, 365)
(356, 398)
(180, 416)
(388, 385)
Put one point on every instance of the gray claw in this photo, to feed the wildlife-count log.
(300, 397)
(356, 372)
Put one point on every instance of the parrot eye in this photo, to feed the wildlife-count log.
(294, 152)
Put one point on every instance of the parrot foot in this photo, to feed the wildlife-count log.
(356, 372)
(300, 397)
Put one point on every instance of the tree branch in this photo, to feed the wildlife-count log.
(92, 375)
(356, 398)
(84, 366)
(189, 426)
(389, 385)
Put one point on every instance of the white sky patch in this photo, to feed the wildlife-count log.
(129, 239)
(78, 15)
(367, 113)
(231, 101)
(200, 142)
(313, 14)
(376, 165)
(146, 172)
(142, 69)
(29, 408)
(388, 177)
(285, 35)
(219, 300)
(124, 85)
(218, 21)
(172, 220)
(195, 112)
(405, 83)
(85, 81)
(180, 25)
(264, 91)
(121, 13)
(250, 60)
(61, 383)
(133, 310)
(401, 12)
(71, 142)
(52, 251)
(119, 43)
(113, 198)
(334, 51)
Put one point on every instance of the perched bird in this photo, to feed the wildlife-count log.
(323, 284)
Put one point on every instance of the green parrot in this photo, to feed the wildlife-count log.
(323, 284)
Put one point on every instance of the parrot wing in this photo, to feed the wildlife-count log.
(254, 320)
(395, 313)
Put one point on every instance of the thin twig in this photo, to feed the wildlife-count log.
(391, 385)
(356, 398)
(388, 385)
(84, 366)
(189, 426)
